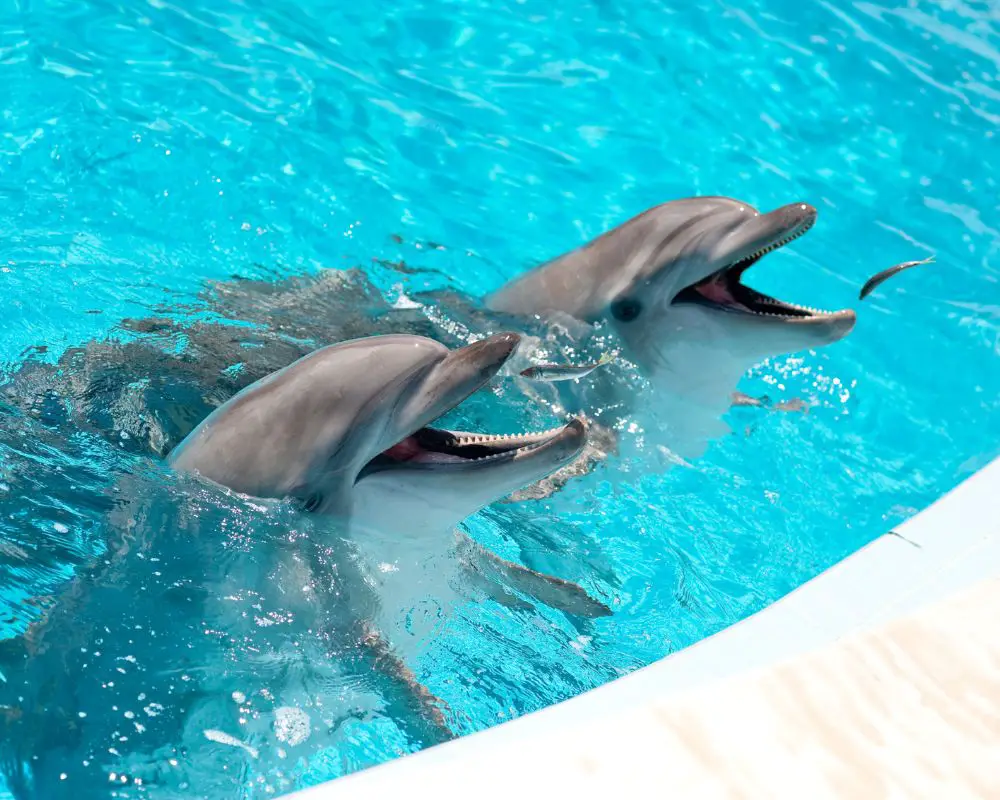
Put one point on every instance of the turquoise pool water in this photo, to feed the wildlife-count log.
(148, 148)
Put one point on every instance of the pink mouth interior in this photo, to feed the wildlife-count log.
(411, 450)
(406, 450)
(716, 290)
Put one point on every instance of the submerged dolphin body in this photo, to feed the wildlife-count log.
(342, 433)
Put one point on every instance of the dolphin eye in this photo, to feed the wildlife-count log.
(626, 310)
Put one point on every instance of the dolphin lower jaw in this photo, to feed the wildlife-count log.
(723, 290)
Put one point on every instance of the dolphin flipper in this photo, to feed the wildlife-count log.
(494, 591)
(417, 702)
(411, 705)
(557, 593)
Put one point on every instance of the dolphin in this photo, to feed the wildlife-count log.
(680, 266)
(343, 438)
(344, 431)
(669, 283)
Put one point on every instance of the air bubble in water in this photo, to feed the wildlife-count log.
(291, 725)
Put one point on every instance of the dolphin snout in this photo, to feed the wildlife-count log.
(794, 216)
(490, 354)
(570, 440)
(842, 324)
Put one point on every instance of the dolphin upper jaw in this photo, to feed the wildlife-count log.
(722, 289)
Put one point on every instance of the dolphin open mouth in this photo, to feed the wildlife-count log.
(441, 449)
(725, 291)
(434, 448)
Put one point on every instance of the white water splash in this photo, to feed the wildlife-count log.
(291, 725)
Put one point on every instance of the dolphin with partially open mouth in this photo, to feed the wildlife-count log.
(346, 432)
(352, 415)
(676, 267)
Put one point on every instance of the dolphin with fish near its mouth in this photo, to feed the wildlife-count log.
(670, 284)
(677, 266)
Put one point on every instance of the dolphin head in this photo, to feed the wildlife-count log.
(349, 412)
(693, 281)
(671, 281)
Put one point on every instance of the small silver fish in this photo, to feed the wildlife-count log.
(224, 738)
(877, 280)
(564, 372)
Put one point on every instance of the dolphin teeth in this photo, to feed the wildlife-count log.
(526, 440)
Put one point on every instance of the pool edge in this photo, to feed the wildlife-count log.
(905, 574)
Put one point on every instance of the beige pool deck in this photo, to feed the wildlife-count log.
(880, 678)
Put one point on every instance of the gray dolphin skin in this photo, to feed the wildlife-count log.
(357, 412)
